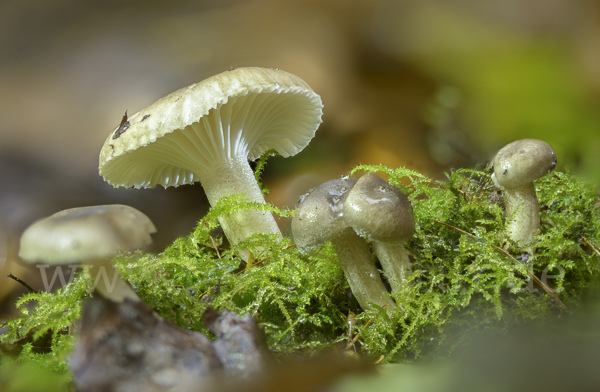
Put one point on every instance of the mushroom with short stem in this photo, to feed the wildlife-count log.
(319, 218)
(208, 131)
(516, 166)
(92, 235)
(382, 214)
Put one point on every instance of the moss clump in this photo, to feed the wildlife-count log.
(466, 283)
(463, 280)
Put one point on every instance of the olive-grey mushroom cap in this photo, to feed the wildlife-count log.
(522, 162)
(319, 214)
(86, 233)
(379, 211)
(237, 114)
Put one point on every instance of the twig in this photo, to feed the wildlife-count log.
(217, 286)
(531, 275)
(590, 245)
(22, 282)
(351, 344)
(261, 260)
(214, 244)
(212, 240)
(469, 197)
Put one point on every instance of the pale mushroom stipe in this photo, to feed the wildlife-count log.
(91, 235)
(208, 131)
(516, 166)
(319, 218)
(382, 214)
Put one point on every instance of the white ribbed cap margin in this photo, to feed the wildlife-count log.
(237, 114)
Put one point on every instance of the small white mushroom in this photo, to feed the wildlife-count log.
(516, 166)
(208, 131)
(319, 218)
(382, 214)
(92, 235)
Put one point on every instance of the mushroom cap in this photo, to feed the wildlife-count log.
(237, 114)
(522, 162)
(319, 214)
(85, 233)
(379, 211)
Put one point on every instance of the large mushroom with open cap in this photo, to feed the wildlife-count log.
(92, 235)
(208, 131)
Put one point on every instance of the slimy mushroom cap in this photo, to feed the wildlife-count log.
(522, 162)
(320, 213)
(379, 211)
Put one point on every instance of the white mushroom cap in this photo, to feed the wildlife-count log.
(522, 162)
(237, 114)
(86, 233)
(319, 214)
(378, 211)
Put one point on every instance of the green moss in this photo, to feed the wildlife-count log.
(40, 340)
(463, 280)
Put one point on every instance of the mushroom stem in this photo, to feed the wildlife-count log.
(236, 177)
(522, 213)
(363, 277)
(107, 280)
(394, 261)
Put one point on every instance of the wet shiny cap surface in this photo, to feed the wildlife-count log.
(320, 213)
(379, 211)
(521, 162)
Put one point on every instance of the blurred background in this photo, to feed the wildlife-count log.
(430, 85)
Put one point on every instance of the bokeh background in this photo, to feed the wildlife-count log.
(430, 85)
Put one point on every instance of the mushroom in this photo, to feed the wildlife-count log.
(208, 131)
(319, 218)
(92, 235)
(516, 166)
(382, 214)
